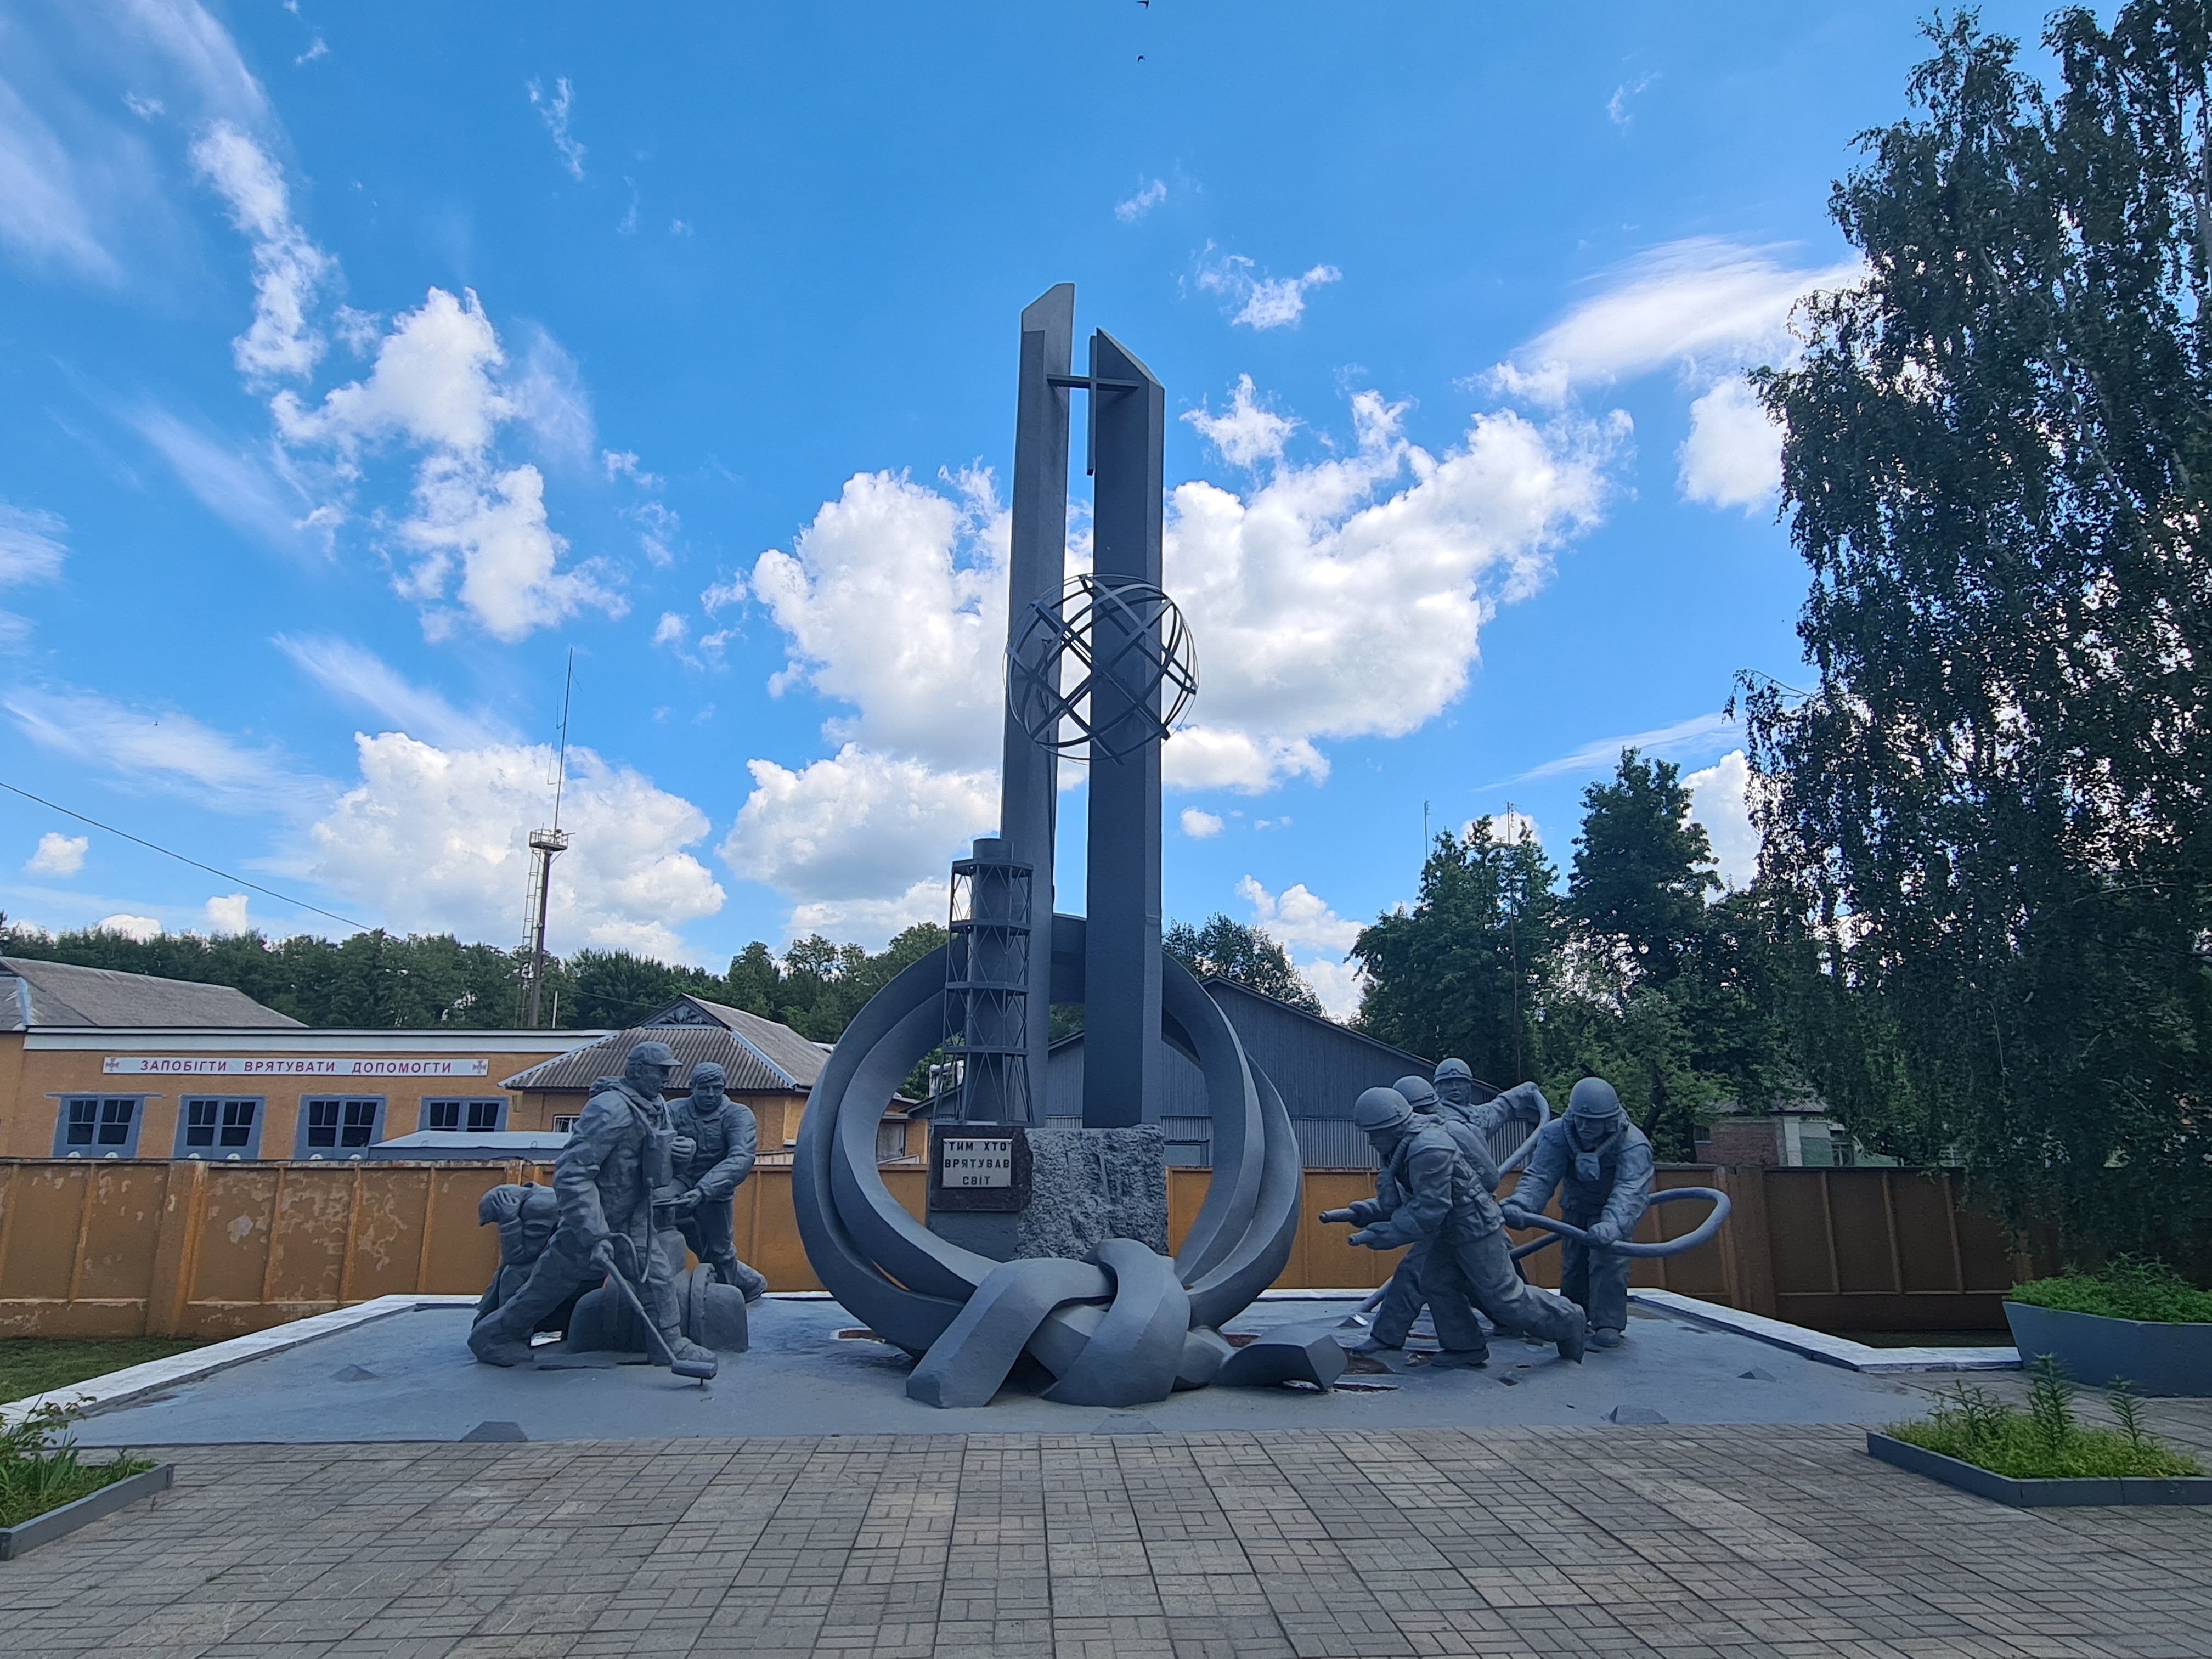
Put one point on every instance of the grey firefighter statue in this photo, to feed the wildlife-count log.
(1403, 1295)
(1600, 1163)
(603, 1187)
(525, 1217)
(1430, 1190)
(722, 1140)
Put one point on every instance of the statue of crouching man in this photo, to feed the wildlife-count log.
(603, 1190)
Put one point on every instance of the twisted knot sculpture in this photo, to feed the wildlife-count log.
(1125, 1327)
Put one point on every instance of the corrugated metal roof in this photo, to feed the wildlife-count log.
(759, 1056)
(35, 993)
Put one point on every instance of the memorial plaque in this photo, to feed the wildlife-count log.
(979, 1170)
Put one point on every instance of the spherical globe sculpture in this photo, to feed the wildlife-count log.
(1099, 625)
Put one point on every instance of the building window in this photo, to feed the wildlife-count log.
(478, 1117)
(214, 1125)
(98, 1126)
(339, 1124)
(564, 1123)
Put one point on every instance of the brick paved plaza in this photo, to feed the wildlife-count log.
(1738, 1541)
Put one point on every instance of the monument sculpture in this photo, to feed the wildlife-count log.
(618, 1161)
(1432, 1194)
(1102, 665)
(1601, 1165)
(717, 1139)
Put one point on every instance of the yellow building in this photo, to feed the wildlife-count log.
(105, 1065)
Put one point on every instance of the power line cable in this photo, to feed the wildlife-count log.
(156, 846)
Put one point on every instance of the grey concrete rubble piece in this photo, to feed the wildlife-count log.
(802, 1378)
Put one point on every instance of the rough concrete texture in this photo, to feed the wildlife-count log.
(804, 1377)
(1090, 1185)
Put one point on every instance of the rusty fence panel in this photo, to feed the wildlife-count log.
(110, 1247)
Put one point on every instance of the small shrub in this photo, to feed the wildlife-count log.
(40, 1470)
(2128, 1289)
(2045, 1442)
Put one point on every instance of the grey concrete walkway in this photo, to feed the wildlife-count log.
(1780, 1541)
(410, 1377)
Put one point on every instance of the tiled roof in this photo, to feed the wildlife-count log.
(35, 994)
(759, 1056)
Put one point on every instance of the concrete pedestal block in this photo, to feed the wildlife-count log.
(1090, 1185)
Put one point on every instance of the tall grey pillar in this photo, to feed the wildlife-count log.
(1029, 771)
(1122, 1058)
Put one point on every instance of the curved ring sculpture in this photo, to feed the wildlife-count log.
(1124, 1329)
(1704, 1233)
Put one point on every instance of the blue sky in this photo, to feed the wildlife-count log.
(357, 363)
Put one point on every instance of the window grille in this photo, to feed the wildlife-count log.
(477, 1117)
(98, 1126)
(215, 1126)
(338, 1124)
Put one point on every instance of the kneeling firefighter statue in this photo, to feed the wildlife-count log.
(620, 1159)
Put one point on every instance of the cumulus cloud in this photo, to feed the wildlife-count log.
(433, 839)
(1260, 301)
(1693, 739)
(58, 854)
(554, 112)
(1386, 554)
(353, 674)
(1733, 455)
(163, 748)
(1316, 939)
(1247, 433)
(1720, 799)
(1703, 304)
(480, 532)
(893, 601)
(1150, 193)
(1200, 825)
(139, 928)
(225, 914)
(289, 269)
(859, 841)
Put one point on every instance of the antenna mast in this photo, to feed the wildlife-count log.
(546, 845)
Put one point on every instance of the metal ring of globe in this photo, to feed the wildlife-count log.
(1125, 632)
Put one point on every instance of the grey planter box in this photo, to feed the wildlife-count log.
(2094, 1350)
(117, 1494)
(2035, 1494)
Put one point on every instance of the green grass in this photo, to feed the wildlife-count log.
(2128, 1289)
(40, 1470)
(2045, 1442)
(33, 1364)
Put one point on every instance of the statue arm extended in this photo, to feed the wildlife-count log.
(1547, 1167)
(744, 1135)
(1427, 1192)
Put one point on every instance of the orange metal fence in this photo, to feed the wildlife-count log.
(126, 1248)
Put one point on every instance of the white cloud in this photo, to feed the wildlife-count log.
(31, 547)
(1733, 455)
(1316, 939)
(225, 914)
(1386, 555)
(1150, 193)
(554, 112)
(288, 268)
(433, 840)
(481, 533)
(58, 854)
(1719, 799)
(1200, 825)
(1693, 739)
(672, 629)
(722, 593)
(1298, 917)
(357, 674)
(141, 928)
(1261, 302)
(169, 749)
(859, 840)
(1249, 433)
(1704, 304)
(893, 601)
(1506, 828)
(44, 203)
(249, 490)
(1617, 108)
